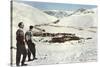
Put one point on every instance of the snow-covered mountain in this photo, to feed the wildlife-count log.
(66, 13)
(83, 11)
(58, 13)
(29, 16)
(87, 18)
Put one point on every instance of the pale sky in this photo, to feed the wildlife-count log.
(57, 6)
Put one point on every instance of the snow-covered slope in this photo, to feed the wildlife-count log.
(80, 19)
(58, 13)
(65, 13)
(29, 15)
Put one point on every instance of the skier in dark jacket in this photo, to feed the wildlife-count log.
(21, 50)
(31, 45)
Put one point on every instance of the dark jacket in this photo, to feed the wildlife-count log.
(20, 36)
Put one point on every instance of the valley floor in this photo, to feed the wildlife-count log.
(84, 50)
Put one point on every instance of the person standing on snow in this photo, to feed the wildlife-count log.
(31, 45)
(21, 49)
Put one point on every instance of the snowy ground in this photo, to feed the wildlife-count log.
(68, 52)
